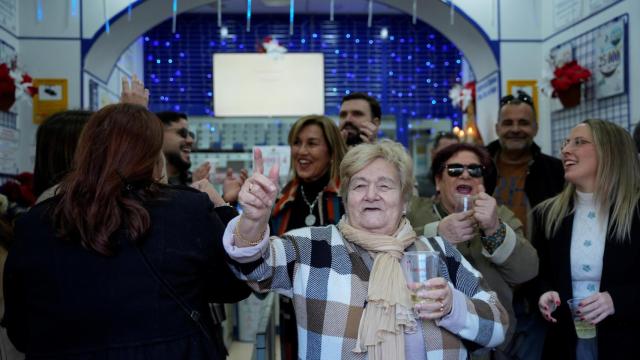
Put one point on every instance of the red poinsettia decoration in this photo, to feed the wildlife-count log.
(19, 190)
(7, 86)
(568, 75)
(14, 84)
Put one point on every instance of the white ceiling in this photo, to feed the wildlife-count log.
(301, 7)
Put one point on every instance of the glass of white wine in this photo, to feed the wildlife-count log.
(418, 267)
(584, 329)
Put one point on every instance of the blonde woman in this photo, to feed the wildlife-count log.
(587, 239)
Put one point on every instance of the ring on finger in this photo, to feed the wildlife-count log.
(441, 306)
(250, 187)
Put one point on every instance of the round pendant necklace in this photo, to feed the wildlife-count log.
(310, 220)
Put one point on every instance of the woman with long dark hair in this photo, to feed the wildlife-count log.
(118, 265)
(56, 142)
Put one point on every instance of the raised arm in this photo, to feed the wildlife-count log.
(134, 93)
(257, 196)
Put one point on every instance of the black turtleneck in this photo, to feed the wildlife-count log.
(300, 209)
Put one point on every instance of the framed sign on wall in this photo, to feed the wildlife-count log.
(51, 98)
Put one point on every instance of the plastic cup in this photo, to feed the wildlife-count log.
(418, 267)
(464, 202)
(584, 329)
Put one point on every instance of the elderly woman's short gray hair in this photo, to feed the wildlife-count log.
(362, 155)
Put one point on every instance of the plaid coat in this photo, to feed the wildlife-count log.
(328, 279)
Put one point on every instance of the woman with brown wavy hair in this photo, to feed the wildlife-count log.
(118, 265)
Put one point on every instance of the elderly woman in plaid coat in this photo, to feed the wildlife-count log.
(349, 293)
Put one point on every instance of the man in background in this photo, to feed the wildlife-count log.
(177, 146)
(526, 177)
(360, 116)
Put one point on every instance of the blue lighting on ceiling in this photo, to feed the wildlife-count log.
(407, 80)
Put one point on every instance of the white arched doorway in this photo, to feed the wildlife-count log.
(105, 49)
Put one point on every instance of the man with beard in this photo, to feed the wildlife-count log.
(176, 147)
(526, 177)
(359, 118)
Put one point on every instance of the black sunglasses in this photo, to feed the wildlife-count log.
(522, 96)
(474, 170)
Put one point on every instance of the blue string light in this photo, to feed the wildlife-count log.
(410, 72)
(39, 12)
(248, 15)
(73, 6)
(107, 27)
(174, 10)
(291, 11)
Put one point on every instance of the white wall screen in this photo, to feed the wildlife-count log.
(265, 85)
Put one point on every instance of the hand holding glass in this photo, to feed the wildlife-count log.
(464, 202)
(584, 329)
(418, 267)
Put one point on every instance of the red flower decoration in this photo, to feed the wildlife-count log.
(14, 84)
(568, 75)
(20, 190)
(7, 85)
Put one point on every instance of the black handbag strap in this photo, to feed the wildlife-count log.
(194, 315)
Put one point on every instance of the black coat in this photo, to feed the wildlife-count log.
(63, 299)
(545, 177)
(618, 333)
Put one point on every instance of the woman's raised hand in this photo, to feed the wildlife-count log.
(548, 303)
(205, 186)
(486, 212)
(134, 93)
(258, 193)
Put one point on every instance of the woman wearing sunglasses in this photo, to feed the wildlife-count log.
(489, 236)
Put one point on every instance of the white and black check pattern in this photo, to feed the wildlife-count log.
(328, 281)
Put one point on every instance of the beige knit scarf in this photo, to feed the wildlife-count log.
(388, 311)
